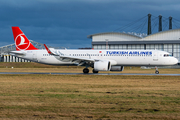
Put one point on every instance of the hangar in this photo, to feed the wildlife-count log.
(167, 40)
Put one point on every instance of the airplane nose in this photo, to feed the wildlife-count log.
(175, 60)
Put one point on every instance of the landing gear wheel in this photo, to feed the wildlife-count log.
(157, 72)
(94, 71)
(85, 70)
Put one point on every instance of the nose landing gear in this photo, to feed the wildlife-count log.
(156, 71)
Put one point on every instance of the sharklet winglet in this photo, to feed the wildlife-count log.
(49, 51)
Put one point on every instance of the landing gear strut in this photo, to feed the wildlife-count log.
(94, 71)
(85, 70)
(157, 72)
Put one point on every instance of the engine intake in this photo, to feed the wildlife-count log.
(102, 66)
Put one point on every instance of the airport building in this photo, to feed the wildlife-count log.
(168, 40)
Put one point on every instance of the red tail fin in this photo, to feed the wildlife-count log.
(21, 41)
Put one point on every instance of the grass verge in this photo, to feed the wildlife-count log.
(92, 97)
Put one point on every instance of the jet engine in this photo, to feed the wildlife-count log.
(102, 65)
(117, 68)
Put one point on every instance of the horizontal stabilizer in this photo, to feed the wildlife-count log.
(17, 53)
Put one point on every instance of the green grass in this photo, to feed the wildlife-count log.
(84, 97)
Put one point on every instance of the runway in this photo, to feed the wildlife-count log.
(90, 73)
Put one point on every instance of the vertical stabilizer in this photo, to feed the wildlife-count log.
(21, 41)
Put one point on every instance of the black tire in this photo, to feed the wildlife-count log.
(94, 71)
(85, 70)
(157, 72)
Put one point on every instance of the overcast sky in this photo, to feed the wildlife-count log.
(68, 22)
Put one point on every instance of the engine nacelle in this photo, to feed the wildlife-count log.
(102, 65)
(117, 68)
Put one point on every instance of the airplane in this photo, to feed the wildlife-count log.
(99, 60)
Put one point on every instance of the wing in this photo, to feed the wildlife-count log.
(76, 60)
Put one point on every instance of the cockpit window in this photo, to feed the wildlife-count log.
(167, 55)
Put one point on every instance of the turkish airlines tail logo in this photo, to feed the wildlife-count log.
(21, 41)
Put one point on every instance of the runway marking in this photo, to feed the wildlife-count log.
(91, 74)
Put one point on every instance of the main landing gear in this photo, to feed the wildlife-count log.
(156, 71)
(94, 71)
(86, 70)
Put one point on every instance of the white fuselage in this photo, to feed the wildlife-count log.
(116, 57)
